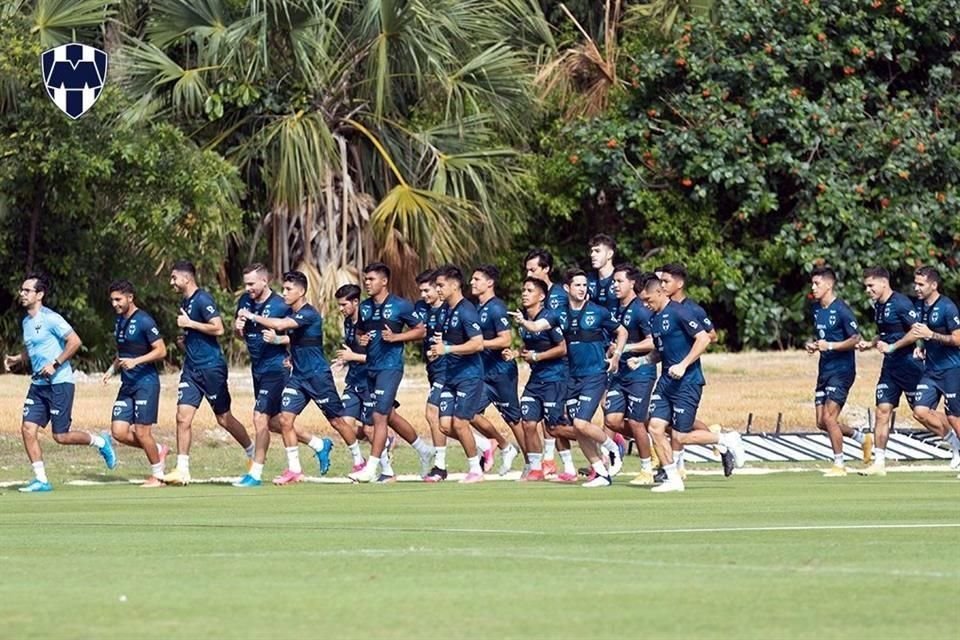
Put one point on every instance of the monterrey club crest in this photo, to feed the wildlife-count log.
(73, 75)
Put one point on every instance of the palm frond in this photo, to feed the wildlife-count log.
(57, 21)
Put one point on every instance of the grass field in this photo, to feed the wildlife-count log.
(780, 556)
(785, 555)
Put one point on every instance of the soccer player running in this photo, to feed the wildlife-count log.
(382, 317)
(459, 345)
(356, 394)
(204, 373)
(539, 264)
(939, 328)
(500, 377)
(901, 371)
(268, 351)
(139, 348)
(837, 338)
(545, 351)
(49, 343)
(311, 379)
(603, 248)
(626, 407)
(432, 311)
(588, 330)
(680, 340)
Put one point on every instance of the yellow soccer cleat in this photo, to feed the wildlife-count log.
(177, 477)
(643, 478)
(867, 448)
(874, 470)
(836, 471)
(654, 458)
(683, 473)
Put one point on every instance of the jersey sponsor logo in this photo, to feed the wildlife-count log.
(693, 324)
(74, 75)
(210, 308)
(155, 331)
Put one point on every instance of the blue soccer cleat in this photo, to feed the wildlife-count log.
(247, 482)
(36, 487)
(109, 455)
(323, 456)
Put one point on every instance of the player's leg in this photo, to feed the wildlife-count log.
(60, 399)
(438, 472)
(465, 400)
(146, 405)
(591, 437)
(830, 422)
(532, 410)
(383, 387)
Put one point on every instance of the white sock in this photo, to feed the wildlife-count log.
(838, 459)
(372, 463)
(678, 459)
(355, 452)
(97, 441)
(250, 450)
(293, 459)
(473, 464)
(183, 463)
(646, 464)
(483, 443)
(953, 440)
(536, 462)
(421, 447)
(599, 468)
(549, 446)
(316, 443)
(39, 471)
(879, 456)
(610, 446)
(157, 470)
(256, 471)
(386, 465)
(440, 459)
(567, 458)
(673, 474)
(858, 436)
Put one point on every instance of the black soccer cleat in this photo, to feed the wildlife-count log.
(728, 462)
(436, 475)
(660, 476)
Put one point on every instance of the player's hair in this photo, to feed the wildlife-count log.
(605, 240)
(258, 268)
(646, 281)
(824, 272)
(540, 284)
(572, 273)
(378, 267)
(348, 292)
(185, 266)
(450, 272)
(876, 272)
(931, 274)
(296, 277)
(42, 281)
(489, 270)
(631, 272)
(675, 269)
(542, 256)
(427, 276)
(121, 286)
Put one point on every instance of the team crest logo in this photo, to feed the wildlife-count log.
(454, 321)
(387, 313)
(554, 303)
(588, 321)
(73, 75)
(833, 320)
(934, 316)
(666, 324)
(483, 317)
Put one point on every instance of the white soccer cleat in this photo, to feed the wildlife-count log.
(506, 459)
(599, 481)
(955, 460)
(367, 474)
(734, 442)
(616, 463)
(426, 462)
(669, 486)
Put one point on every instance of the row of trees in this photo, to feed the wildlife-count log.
(749, 140)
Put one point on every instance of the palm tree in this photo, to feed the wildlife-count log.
(363, 128)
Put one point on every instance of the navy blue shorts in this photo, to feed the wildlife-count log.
(467, 396)
(436, 389)
(383, 387)
(137, 404)
(268, 392)
(352, 400)
(206, 383)
(676, 402)
(834, 386)
(501, 392)
(319, 388)
(584, 395)
(49, 403)
(935, 384)
(631, 398)
(896, 379)
(543, 401)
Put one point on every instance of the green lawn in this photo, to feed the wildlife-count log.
(489, 561)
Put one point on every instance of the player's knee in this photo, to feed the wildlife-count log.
(60, 438)
(921, 413)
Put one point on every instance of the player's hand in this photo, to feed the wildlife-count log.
(12, 361)
(865, 345)
(269, 336)
(516, 316)
(287, 363)
(345, 354)
(823, 345)
(676, 371)
(635, 362)
(181, 341)
(919, 353)
(811, 347)
(240, 323)
(921, 331)
(613, 363)
(183, 320)
(388, 335)
(528, 355)
(509, 354)
(48, 370)
(363, 339)
(337, 365)
(106, 376)
(126, 363)
(881, 346)
(245, 314)
(436, 350)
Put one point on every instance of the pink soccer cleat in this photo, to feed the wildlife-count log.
(288, 477)
(472, 478)
(566, 478)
